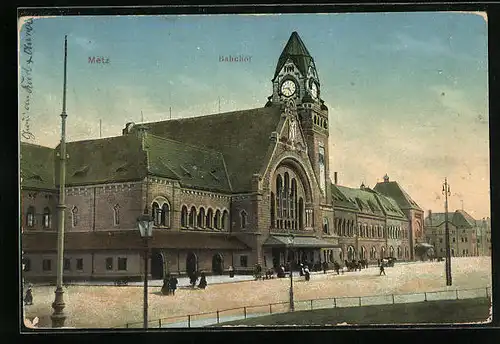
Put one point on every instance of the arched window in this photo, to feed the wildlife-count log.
(273, 210)
(165, 215)
(400, 253)
(360, 230)
(286, 196)
(47, 221)
(225, 220)
(379, 231)
(217, 219)
(301, 213)
(325, 225)
(351, 254)
(201, 218)
(341, 255)
(74, 216)
(184, 216)
(373, 253)
(362, 253)
(279, 194)
(116, 215)
(30, 217)
(382, 252)
(243, 219)
(209, 218)
(407, 252)
(391, 252)
(156, 214)
(192, 217)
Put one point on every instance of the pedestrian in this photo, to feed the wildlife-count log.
(382, 270)
(325, 266)
(307, 274)
(193, 278)
(28, 298)
(231, 272)
(203, 281)
(165, 289)
(301, 272)
(172, 283)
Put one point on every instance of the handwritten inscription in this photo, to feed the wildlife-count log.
(98, 60)
(27, 81)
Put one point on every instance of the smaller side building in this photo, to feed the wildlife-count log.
(464, 231)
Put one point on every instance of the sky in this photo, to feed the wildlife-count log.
(407, 92)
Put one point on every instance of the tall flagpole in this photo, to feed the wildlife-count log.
(58, 317)
(446, 193)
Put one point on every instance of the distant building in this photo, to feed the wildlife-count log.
(225, 190)
(467, 236)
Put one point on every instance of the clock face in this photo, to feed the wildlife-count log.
(288, 88)
(314, 90)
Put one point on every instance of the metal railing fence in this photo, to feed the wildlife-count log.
(239, 313)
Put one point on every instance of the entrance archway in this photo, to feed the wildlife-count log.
(157, 264)
(191, 263)
(217, 264)
(350, 253)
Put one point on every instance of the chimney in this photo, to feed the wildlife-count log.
(335, 178)
(386, 178)
(430, 217)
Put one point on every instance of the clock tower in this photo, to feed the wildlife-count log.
(296, 78)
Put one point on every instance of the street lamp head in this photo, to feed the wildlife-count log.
(145, 225)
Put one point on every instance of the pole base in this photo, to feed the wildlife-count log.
(58, 317)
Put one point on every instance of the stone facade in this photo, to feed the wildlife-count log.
(200, 191)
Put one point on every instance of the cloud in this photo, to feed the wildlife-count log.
(85, 43)
(431, 46)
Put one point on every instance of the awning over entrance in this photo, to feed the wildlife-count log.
(298, 242)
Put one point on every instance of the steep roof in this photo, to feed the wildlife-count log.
(107, 160)
(459, 218)
(194, 167)
(390, 206)
(436, 219)
(295, 50)
(242, 137)
(364, 200)
(396, 192)
(37, 166)
(340, 200)
(462, 219)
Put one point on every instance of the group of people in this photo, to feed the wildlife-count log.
(169, 285)
(193, 278)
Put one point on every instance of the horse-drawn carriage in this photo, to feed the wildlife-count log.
(389, 261)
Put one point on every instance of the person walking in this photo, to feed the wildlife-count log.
(165, 289)
(325, 266)
(231, 272)
(172, 284)
(307, 274)
(203, 281)
(382, 270)
(28, 298)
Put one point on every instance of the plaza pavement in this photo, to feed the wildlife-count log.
(106, 306)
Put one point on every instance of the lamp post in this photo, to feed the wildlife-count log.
(58, 317)
(290, 244)
(446, 193)
(145, 225)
